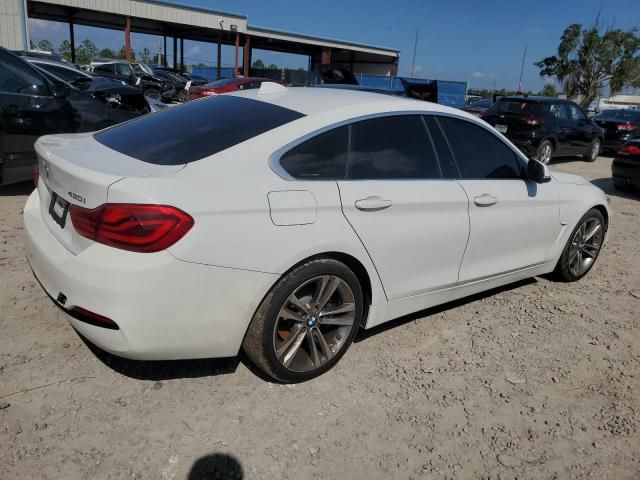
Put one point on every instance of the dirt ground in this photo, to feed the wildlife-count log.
(539, 380)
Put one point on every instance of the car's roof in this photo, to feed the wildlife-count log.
(310, 100)
(49, 61)
(531, 98)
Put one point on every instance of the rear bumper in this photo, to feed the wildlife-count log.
(165, 308)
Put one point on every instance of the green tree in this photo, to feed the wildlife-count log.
(145, 55)
(64, 50)
(258, 64)
(32, 45)
(273, 66)
(85, 52)
(589, 60)
(46, 46)
(549, 90)
(122, 54)
(106, 53)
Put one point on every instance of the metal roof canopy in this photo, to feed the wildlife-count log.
(166, 18)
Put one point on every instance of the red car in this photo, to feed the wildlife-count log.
(227, 85)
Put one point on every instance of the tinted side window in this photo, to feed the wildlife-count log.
(322, 157)
(392, 147)
(478, 153)
(108, 68)
(576, 114)
(559, 111)
(16, 77)
(123, 69)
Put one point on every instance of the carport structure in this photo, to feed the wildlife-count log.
(179, 22)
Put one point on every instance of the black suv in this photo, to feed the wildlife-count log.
(544, 128)
(137, 75)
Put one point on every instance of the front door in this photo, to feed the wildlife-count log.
(513, 221)
(412, 221)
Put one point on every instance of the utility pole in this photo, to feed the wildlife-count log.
(415, 46)
(524, 55)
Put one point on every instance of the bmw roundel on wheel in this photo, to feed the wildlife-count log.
(282, 221)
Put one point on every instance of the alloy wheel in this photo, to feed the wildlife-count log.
(314, 323)
(585, 246)
(595, 150)
(545, 153)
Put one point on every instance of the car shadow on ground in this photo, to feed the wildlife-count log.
(216, 465)
(165, 369)
(17, 189)
(365, 334)
(606, 185)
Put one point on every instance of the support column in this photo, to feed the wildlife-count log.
(182, 55)
(326, 55)
(246, 57)
(175, 52)
(235, 60)
(72, 41)
(218, 66)
(164, 51)
(127, 39)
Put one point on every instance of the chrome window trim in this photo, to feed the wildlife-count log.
(278, 169)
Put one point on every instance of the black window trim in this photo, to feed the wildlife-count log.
(278, 169)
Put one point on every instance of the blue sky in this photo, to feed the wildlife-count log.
(459, 40)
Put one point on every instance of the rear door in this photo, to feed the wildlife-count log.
(584, 131)
(27, 111)
(413, 222)
(513, 221)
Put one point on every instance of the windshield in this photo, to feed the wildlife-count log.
(69, 75)
(142, 69)
(620, 115)
(519, 107)
(220, 83)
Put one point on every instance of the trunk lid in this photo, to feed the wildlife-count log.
(75, 169)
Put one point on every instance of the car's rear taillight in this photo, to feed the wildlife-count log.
(628, 127)
(532, 120)
(209, 93)
(36, 175)
(133, 227)
(629, 149)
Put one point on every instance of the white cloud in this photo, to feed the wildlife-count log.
(477, 75)
(418, 68)
(192, 51)
(44, 25)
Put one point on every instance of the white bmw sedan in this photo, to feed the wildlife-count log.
(282, 221)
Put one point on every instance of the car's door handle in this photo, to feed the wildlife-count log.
(485, 200)
(373, 203)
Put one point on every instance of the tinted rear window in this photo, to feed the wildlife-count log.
(522, 107)
(195, 130)
(220, 83)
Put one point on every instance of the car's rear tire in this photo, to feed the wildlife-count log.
(182, 96)
(306, 322)
(593, 151)
(153, 93)
(582, 248)
(545, 152)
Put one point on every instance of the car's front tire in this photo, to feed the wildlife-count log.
(582, 248)
(306, 322)
(153, 93)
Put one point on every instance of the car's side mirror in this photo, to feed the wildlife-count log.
(538, 172)
(59, 89)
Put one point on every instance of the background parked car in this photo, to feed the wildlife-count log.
(194, 79)
(625, 168)
(226, 85)
(619, 126)
(544, 127)
(179, 83)
(479, 106)
(35, 102)
(135, 74)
